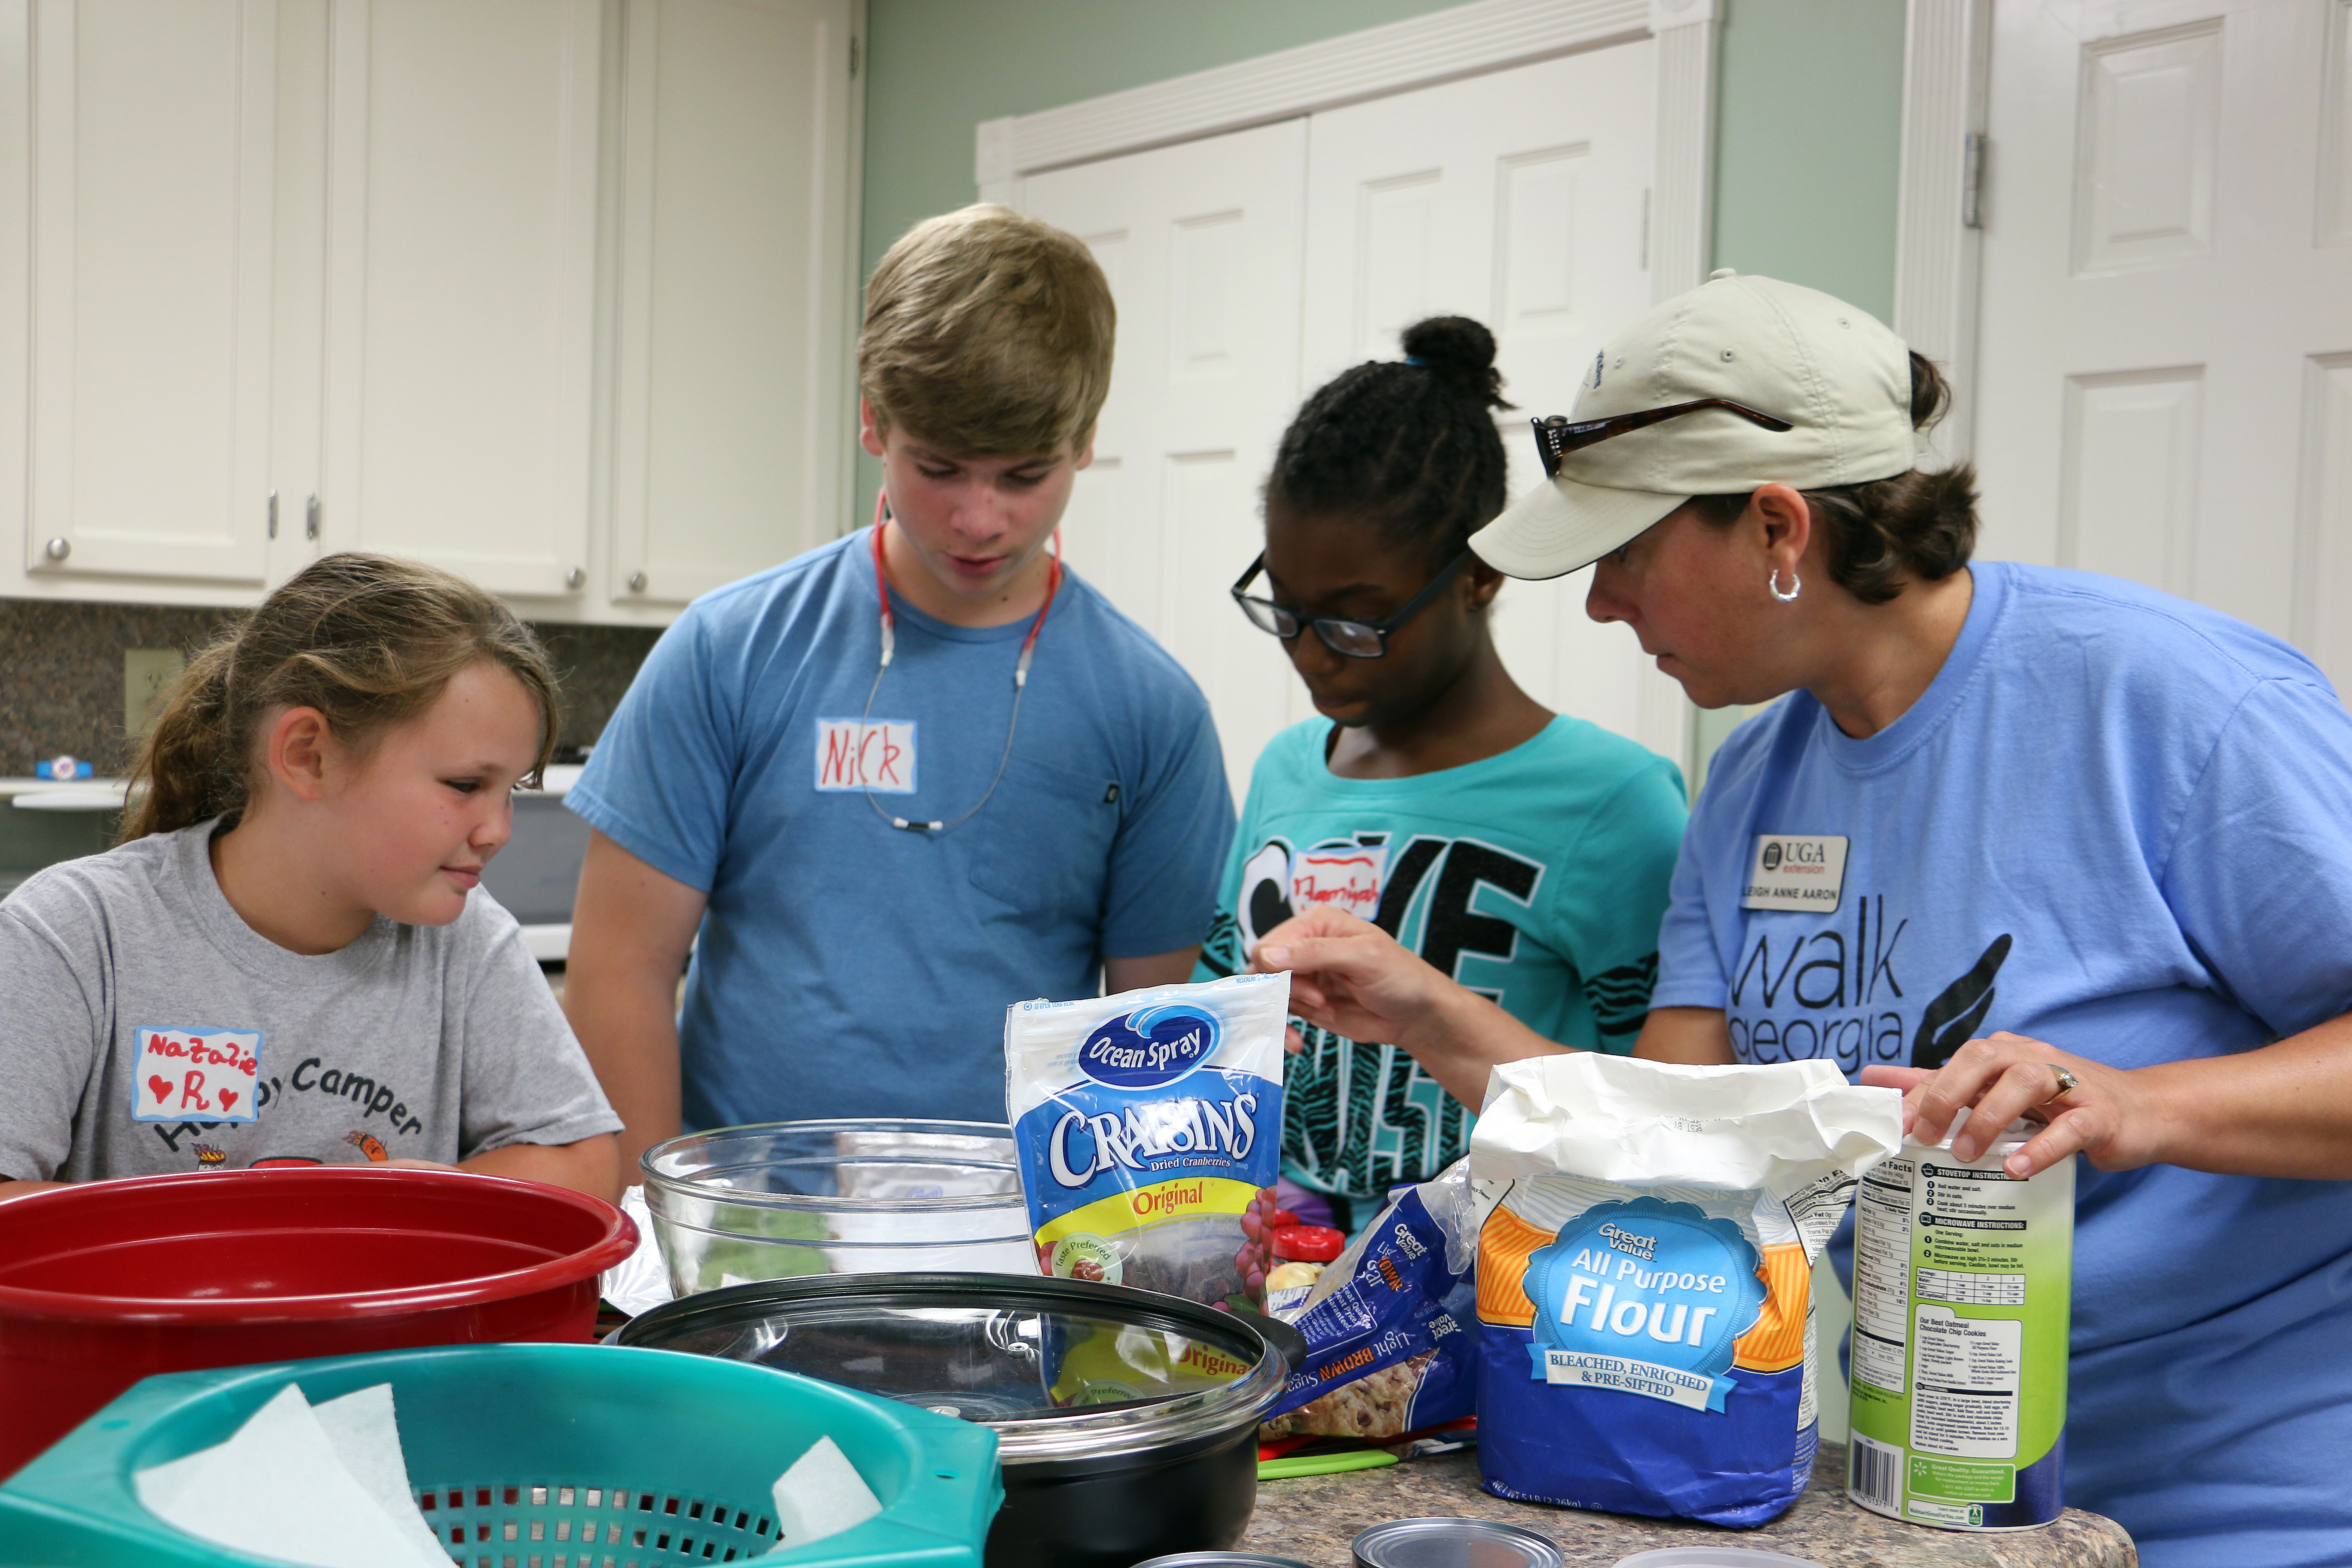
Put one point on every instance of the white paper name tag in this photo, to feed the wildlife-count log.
(877, 754)
(1800, 872)
(196, 1075)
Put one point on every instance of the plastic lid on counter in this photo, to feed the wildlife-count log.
(1447, 1542)
(1308, 1243)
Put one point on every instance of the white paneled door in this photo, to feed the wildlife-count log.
(1200, 243)
(2164, 385)
(1251, 268)
(154, 134)
(1518, 198)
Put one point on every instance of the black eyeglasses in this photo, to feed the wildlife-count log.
(1356, 639)
(1556, 437)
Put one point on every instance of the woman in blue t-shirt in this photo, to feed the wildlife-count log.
(1524, 853)
(2028, 840)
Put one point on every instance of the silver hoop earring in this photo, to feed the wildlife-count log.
(1796, 585)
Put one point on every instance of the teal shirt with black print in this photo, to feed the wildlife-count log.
(1537, 877)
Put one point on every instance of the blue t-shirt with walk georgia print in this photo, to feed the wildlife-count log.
(2122, 824)
(1537, 877)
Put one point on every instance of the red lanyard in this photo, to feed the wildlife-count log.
(889, 623)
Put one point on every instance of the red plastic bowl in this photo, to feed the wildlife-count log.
(107, 1283)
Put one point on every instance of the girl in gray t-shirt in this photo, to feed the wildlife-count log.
(289, 960)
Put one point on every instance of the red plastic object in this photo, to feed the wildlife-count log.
(104, 1283)
(1309, 1243)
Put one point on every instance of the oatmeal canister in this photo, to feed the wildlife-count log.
(1963, 1276)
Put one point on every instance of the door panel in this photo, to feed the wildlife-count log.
(1200, 243)
(154, 135)
(732, 321)
(2167, 284)
(1515, 198)
(461, 258)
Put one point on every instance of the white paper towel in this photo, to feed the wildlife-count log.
(821, 1495)
(639, 1282)
(289, 1485)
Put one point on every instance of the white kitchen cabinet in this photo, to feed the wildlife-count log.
(460, 289)
(145, 314)
(732, 435)
(556, 293)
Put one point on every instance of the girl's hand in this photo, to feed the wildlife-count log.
(1349, 976)
(2107, 1116)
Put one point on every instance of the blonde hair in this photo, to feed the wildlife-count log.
(367, 640)
(988, 333)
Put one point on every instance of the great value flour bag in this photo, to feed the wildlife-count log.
(1147, 1124)
(1645, 1324)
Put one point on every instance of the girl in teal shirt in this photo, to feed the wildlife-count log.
(1523, 853)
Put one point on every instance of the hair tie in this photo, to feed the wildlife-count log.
(1416, 359)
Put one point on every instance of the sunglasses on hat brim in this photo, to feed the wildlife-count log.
(1557, 435)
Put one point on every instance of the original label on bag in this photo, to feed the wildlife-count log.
(1800, 872)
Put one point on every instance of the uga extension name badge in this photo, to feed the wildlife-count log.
(1800, 872)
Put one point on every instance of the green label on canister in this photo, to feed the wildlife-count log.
(1963, 1276)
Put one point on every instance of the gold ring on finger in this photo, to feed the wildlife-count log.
(2067, 1082)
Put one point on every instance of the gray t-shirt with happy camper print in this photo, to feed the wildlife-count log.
(146, 1028)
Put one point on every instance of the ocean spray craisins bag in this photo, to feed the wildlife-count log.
(1147, 1124)
(1645, 1328)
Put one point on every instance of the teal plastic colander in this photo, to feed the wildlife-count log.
(539, 1456)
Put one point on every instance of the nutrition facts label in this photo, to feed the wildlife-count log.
(1965, 1401)
(1971, 1289)
(1882, 1268)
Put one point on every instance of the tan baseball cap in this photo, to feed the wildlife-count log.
(1839, 378)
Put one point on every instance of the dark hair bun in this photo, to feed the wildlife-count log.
(1460, 352)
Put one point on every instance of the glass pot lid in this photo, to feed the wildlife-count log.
(1059, 1369)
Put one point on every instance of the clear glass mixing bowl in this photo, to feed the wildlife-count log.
(786, 1198)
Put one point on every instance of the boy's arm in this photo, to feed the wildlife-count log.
(631, 927)
(1156, 969)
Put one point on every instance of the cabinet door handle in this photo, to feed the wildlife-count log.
(59, 549)
(273, 515)
(310, 519)
(574, 578)
(636, 581)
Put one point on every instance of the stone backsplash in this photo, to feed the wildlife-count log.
(61, 674)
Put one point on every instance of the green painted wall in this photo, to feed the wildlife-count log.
(1809, 107)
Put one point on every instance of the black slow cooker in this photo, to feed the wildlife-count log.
(1126, 1421)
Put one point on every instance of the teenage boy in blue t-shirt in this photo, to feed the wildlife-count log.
(911, 776)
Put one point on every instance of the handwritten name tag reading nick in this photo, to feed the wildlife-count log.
(877, 754)
(1800, 872)
(196, 1075)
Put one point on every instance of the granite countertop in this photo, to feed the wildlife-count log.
(1313, 1517)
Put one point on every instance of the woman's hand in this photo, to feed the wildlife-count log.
(1351, 977)
(1354, 979)
(2107, 1116)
